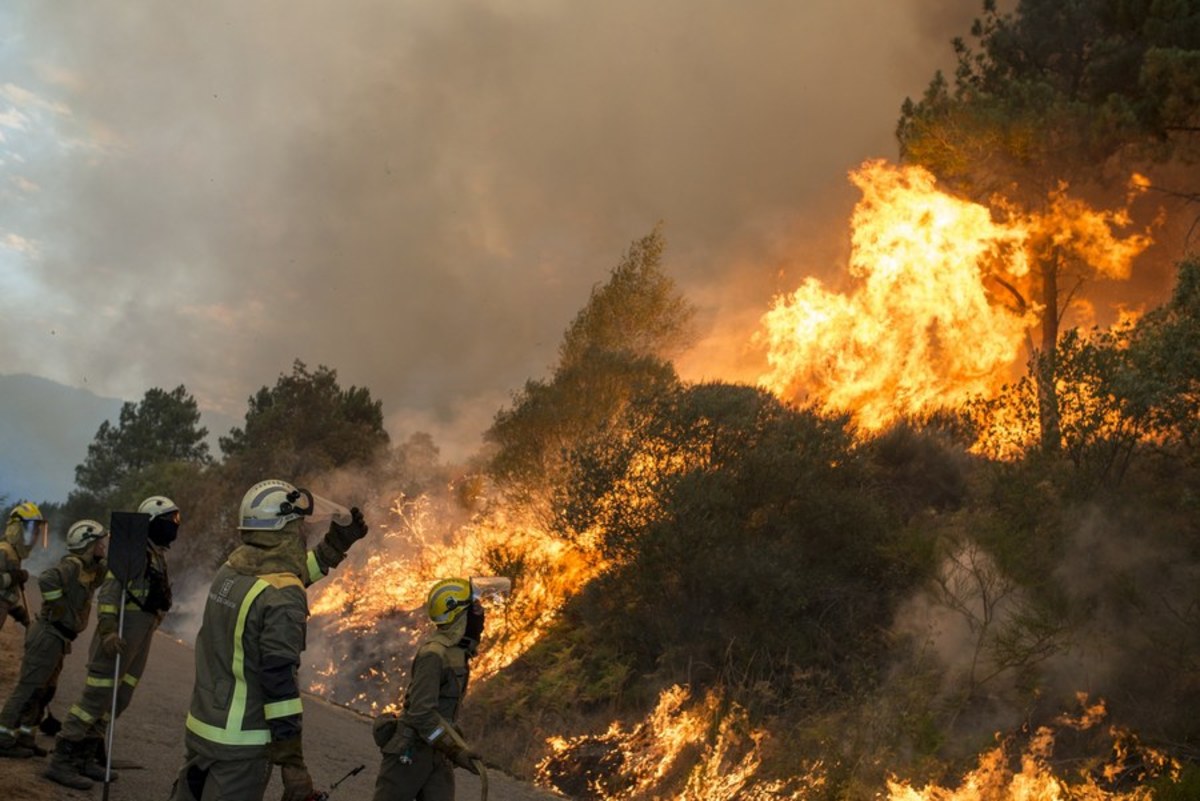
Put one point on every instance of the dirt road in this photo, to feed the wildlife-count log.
(150, 735)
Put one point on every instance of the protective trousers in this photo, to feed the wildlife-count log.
(89, 717)
(40, 666)
(204, 779)
(4, 607)
(430, 777)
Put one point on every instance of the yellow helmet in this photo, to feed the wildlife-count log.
(448, 599)
(25, 525)
(26, 511)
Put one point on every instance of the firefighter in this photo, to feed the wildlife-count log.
(25, 525)
(422, 746)
(67, 590)
(246, 714)
(147, 600)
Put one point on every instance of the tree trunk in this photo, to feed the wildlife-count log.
(1047, 359)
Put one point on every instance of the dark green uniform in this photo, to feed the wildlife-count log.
(67, 590)
(412, 767)
(246, 694)
(10, 591)
(147, 599)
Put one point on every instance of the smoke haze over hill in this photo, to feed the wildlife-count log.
(420, 196)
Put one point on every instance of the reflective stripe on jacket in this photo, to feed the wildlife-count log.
(67, 590)
(249, 621)
(108, 600)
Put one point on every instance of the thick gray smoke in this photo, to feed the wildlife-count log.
(419, 195)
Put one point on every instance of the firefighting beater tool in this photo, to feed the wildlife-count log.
(128, 535)
(323, 795)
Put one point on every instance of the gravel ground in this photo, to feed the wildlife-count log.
(149, 736)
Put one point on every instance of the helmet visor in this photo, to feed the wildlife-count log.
(324, 509)
(31, 530)
(303, 503)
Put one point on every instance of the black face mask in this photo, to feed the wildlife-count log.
(163, 531)
(474, 630)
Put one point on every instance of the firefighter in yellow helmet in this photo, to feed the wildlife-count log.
(246, 715)
(67, 590)
(147, 601)
(25, 525)
(422, 746)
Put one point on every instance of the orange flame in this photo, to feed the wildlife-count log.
(994, 780)
(942, 304)
(383, 595)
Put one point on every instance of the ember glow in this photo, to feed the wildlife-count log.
(709, 740)
(943, 304)
(1120, 778)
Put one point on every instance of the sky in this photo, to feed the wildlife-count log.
(421, 195)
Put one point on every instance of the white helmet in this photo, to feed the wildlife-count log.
(157, 506)
(271, 505)
(82, 534)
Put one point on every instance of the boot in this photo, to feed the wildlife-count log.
(63, 767)
(11, 747)
(92, 758)
(27, 739)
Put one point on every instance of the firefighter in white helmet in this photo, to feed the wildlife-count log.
(67, 590)
(422, 746)
(25, 525)
(147, 600)
(246, 714)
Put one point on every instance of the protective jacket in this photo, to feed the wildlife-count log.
(148, 594)
(67, 590)
(437, 686)
(10, 591)
(248, 651)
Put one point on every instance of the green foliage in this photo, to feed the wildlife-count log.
(726, 513)
(304, 425)
(920, 467)
(1184, 788)
(1056, 87)
(548, 418)
(639, 310)
(1166, 353)
(611, 353)
(162, 428)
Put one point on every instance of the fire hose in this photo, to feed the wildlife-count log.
(323, 795)
(482, 771)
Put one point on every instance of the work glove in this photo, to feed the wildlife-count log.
(297, 784)
(19, 575)
(399, 742)
(465, 759)
(286, 752)
(384, 729)
(337, 541)
(474, 632)
(20, 614)
(111, 645)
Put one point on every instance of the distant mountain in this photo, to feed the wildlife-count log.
(45, 429)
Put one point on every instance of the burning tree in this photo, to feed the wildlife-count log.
(1058, 96)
